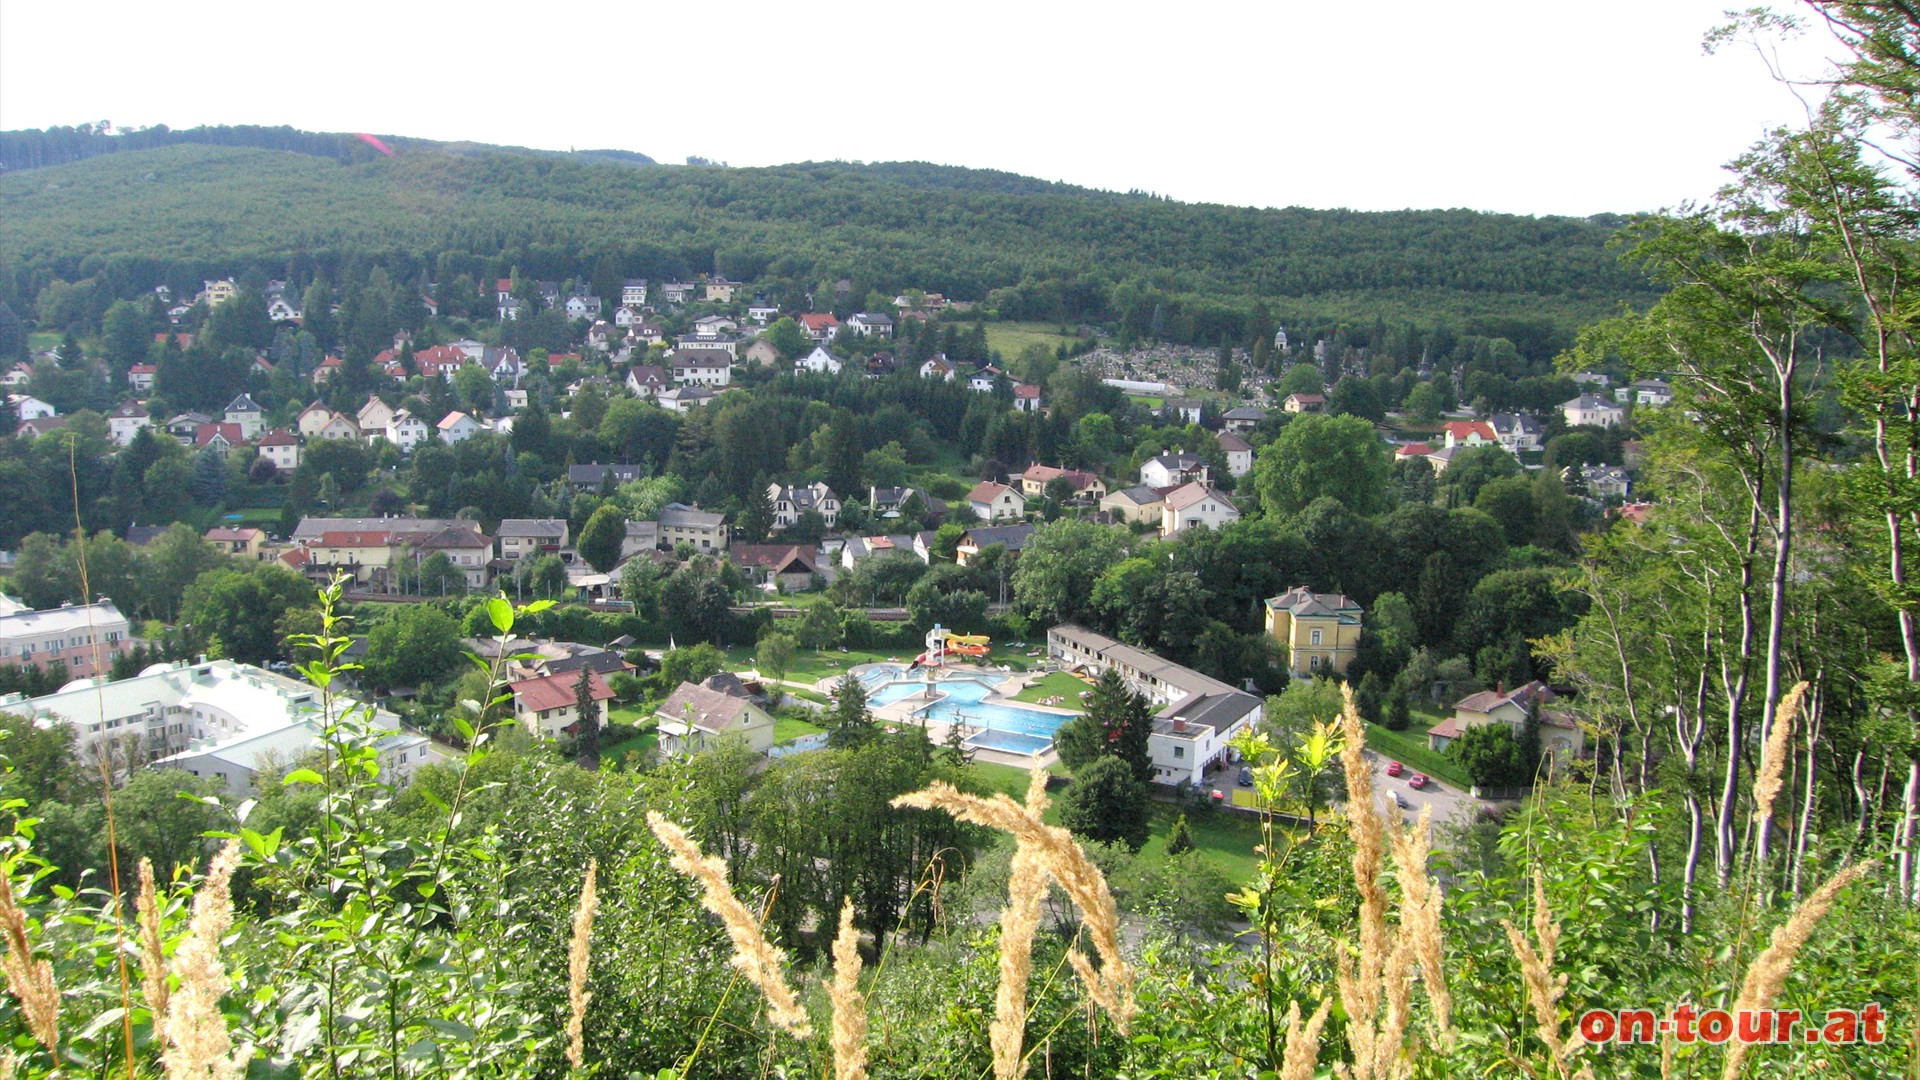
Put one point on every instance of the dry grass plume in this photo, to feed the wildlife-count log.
(28, 979)
(1768, 971)
(193, 1029)
(849, 1005)
(1544, 988)
(153, 958)
(579, 953)
(1303, 1041)
(761, 961)
(1773, 757)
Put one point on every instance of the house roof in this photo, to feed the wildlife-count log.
(689, 517)
(1046, 474)
(243, 403)
(1462, 429)
(1012, 537)
(1249, 412)
(1187, 494)
(232, 536)
(704, 708)
(279, 437)
(206, 433)
(556, 691)
(1488, 700)
(132, 410)
(1026, 390)
(1140, 495)
(816, 321)
(1304, 603)
(540, 528)
(452, 420)
(1590, 403)
(1233, 444)
(1445, 729)
(987, 491)
(777, 558)
(726, 682)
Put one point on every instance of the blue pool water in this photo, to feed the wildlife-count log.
(999, 727)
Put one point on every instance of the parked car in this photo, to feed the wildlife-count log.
(1394, 768)
(1399, 800)
(1246, 776)
(1419, 781)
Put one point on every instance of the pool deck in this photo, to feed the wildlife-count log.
(900, 713)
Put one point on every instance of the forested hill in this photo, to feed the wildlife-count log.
(1033, 249)
(31, 149)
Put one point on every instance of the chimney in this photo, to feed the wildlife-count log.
(1500, 688)
(1179, 724)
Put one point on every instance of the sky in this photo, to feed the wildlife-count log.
(1534, 107)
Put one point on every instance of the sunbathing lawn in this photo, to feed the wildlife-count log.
(789, 728)
(1054, 684)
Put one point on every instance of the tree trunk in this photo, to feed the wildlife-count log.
(1777, 586)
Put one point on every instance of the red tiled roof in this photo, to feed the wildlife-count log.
(556, 691)
(817, 322)
(986, 491)
(219, 535)
(1418, 449)
(1460, 429)
(279, 437)
(1445, 729)
(204, 434)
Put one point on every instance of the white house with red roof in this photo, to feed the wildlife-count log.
(548, 706)
(327, 366)
(1560, 733)
(313, 420)
(282, 447)
(1026, 397)
(1469, 433)
(996, 502)
(140, 377)
(219, 438)
(820, 326)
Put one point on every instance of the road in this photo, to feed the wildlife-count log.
(1449, 804)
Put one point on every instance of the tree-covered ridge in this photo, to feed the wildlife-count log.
(1056, 254)
(30, 149)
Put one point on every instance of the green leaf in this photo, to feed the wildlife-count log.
(303, 776)
(501, 613)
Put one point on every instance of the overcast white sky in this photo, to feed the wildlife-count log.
(1526, 106)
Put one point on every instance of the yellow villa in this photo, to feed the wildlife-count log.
(1318, 632)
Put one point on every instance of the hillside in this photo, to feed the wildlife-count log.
(1057, 252)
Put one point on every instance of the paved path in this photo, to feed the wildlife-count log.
(1450, 804)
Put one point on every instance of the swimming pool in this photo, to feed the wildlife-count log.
(1000, 727)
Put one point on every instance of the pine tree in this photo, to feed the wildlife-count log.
(954, 747)
(848, 722)
(1180, 837)
(587, 739)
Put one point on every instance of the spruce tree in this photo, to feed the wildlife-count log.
(587, 737)
(848, 722)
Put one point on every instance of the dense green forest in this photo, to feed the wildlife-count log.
(176, 214)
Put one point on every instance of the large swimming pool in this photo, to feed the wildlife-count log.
(999, 726)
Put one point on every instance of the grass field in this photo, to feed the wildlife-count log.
(1411, 748)
(644, 744)
(1010, 339)
(789, 728)
(1055, 684)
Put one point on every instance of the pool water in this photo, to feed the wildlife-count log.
(996, 726)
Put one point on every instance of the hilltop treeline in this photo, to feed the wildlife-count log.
(178, 214)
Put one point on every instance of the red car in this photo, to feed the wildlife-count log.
(1419, 781)
(1394, 768)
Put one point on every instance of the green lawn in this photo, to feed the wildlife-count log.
(633, 715)
(1055, 684)
(1010, 339)
(1412, 749)
(644, 744)
(789, 728)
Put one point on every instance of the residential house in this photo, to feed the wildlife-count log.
(979, 538)
(1134, 504)
(704, 530)
(702, 367)
(407, 431)
(140, 377)
(781, 567)
(583, 306)
(26, 407)
(1185, 410)
(594, 477)
(374, 416)
(548, 705)
(648, 380)
(1034, 482)
(858, 549)
(126, 421)
(458, 427)
(1469, 433)
(1560, 733)
(882, 364)
(282, 447)
(996, 502)
(87, 638)
(1317, 632)
(325, 368)
(694, 717)
(676, 292)
(1193, 505)
(186, 425)
(1196, 716)
(219, 438)
(683, 399)
(869, 324)
(626, 316)
(1591, 410)
(339, 427)
(16, 378)
(219, 292)
(820, 362)
(887, 502)
(761, 352)
(938, 367)
(1245, 418)
(520, 537)
(33, 429)
(1517, 432)
(720, 291)
(1606, 481)
(467, 548)
(312, 420)
(762, 313)
(241, 543)
(641, 537)
(633, 292)
(1304, 403)
(1026, 398)
(1173, 470)
(1651, 392)
(710, 327)
(1593, 378)
(821, 327)
(1239, 453)
(790, 502)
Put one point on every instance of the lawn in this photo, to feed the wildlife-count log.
(1412, 749)
(644, 744)
(632, 715)
(1054, 684)
(789, 728)
(1010, 339)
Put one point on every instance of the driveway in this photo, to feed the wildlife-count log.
(1450, 804)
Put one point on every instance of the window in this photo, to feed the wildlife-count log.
(1179, 751)
(1313, 662)
(1316, 637)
